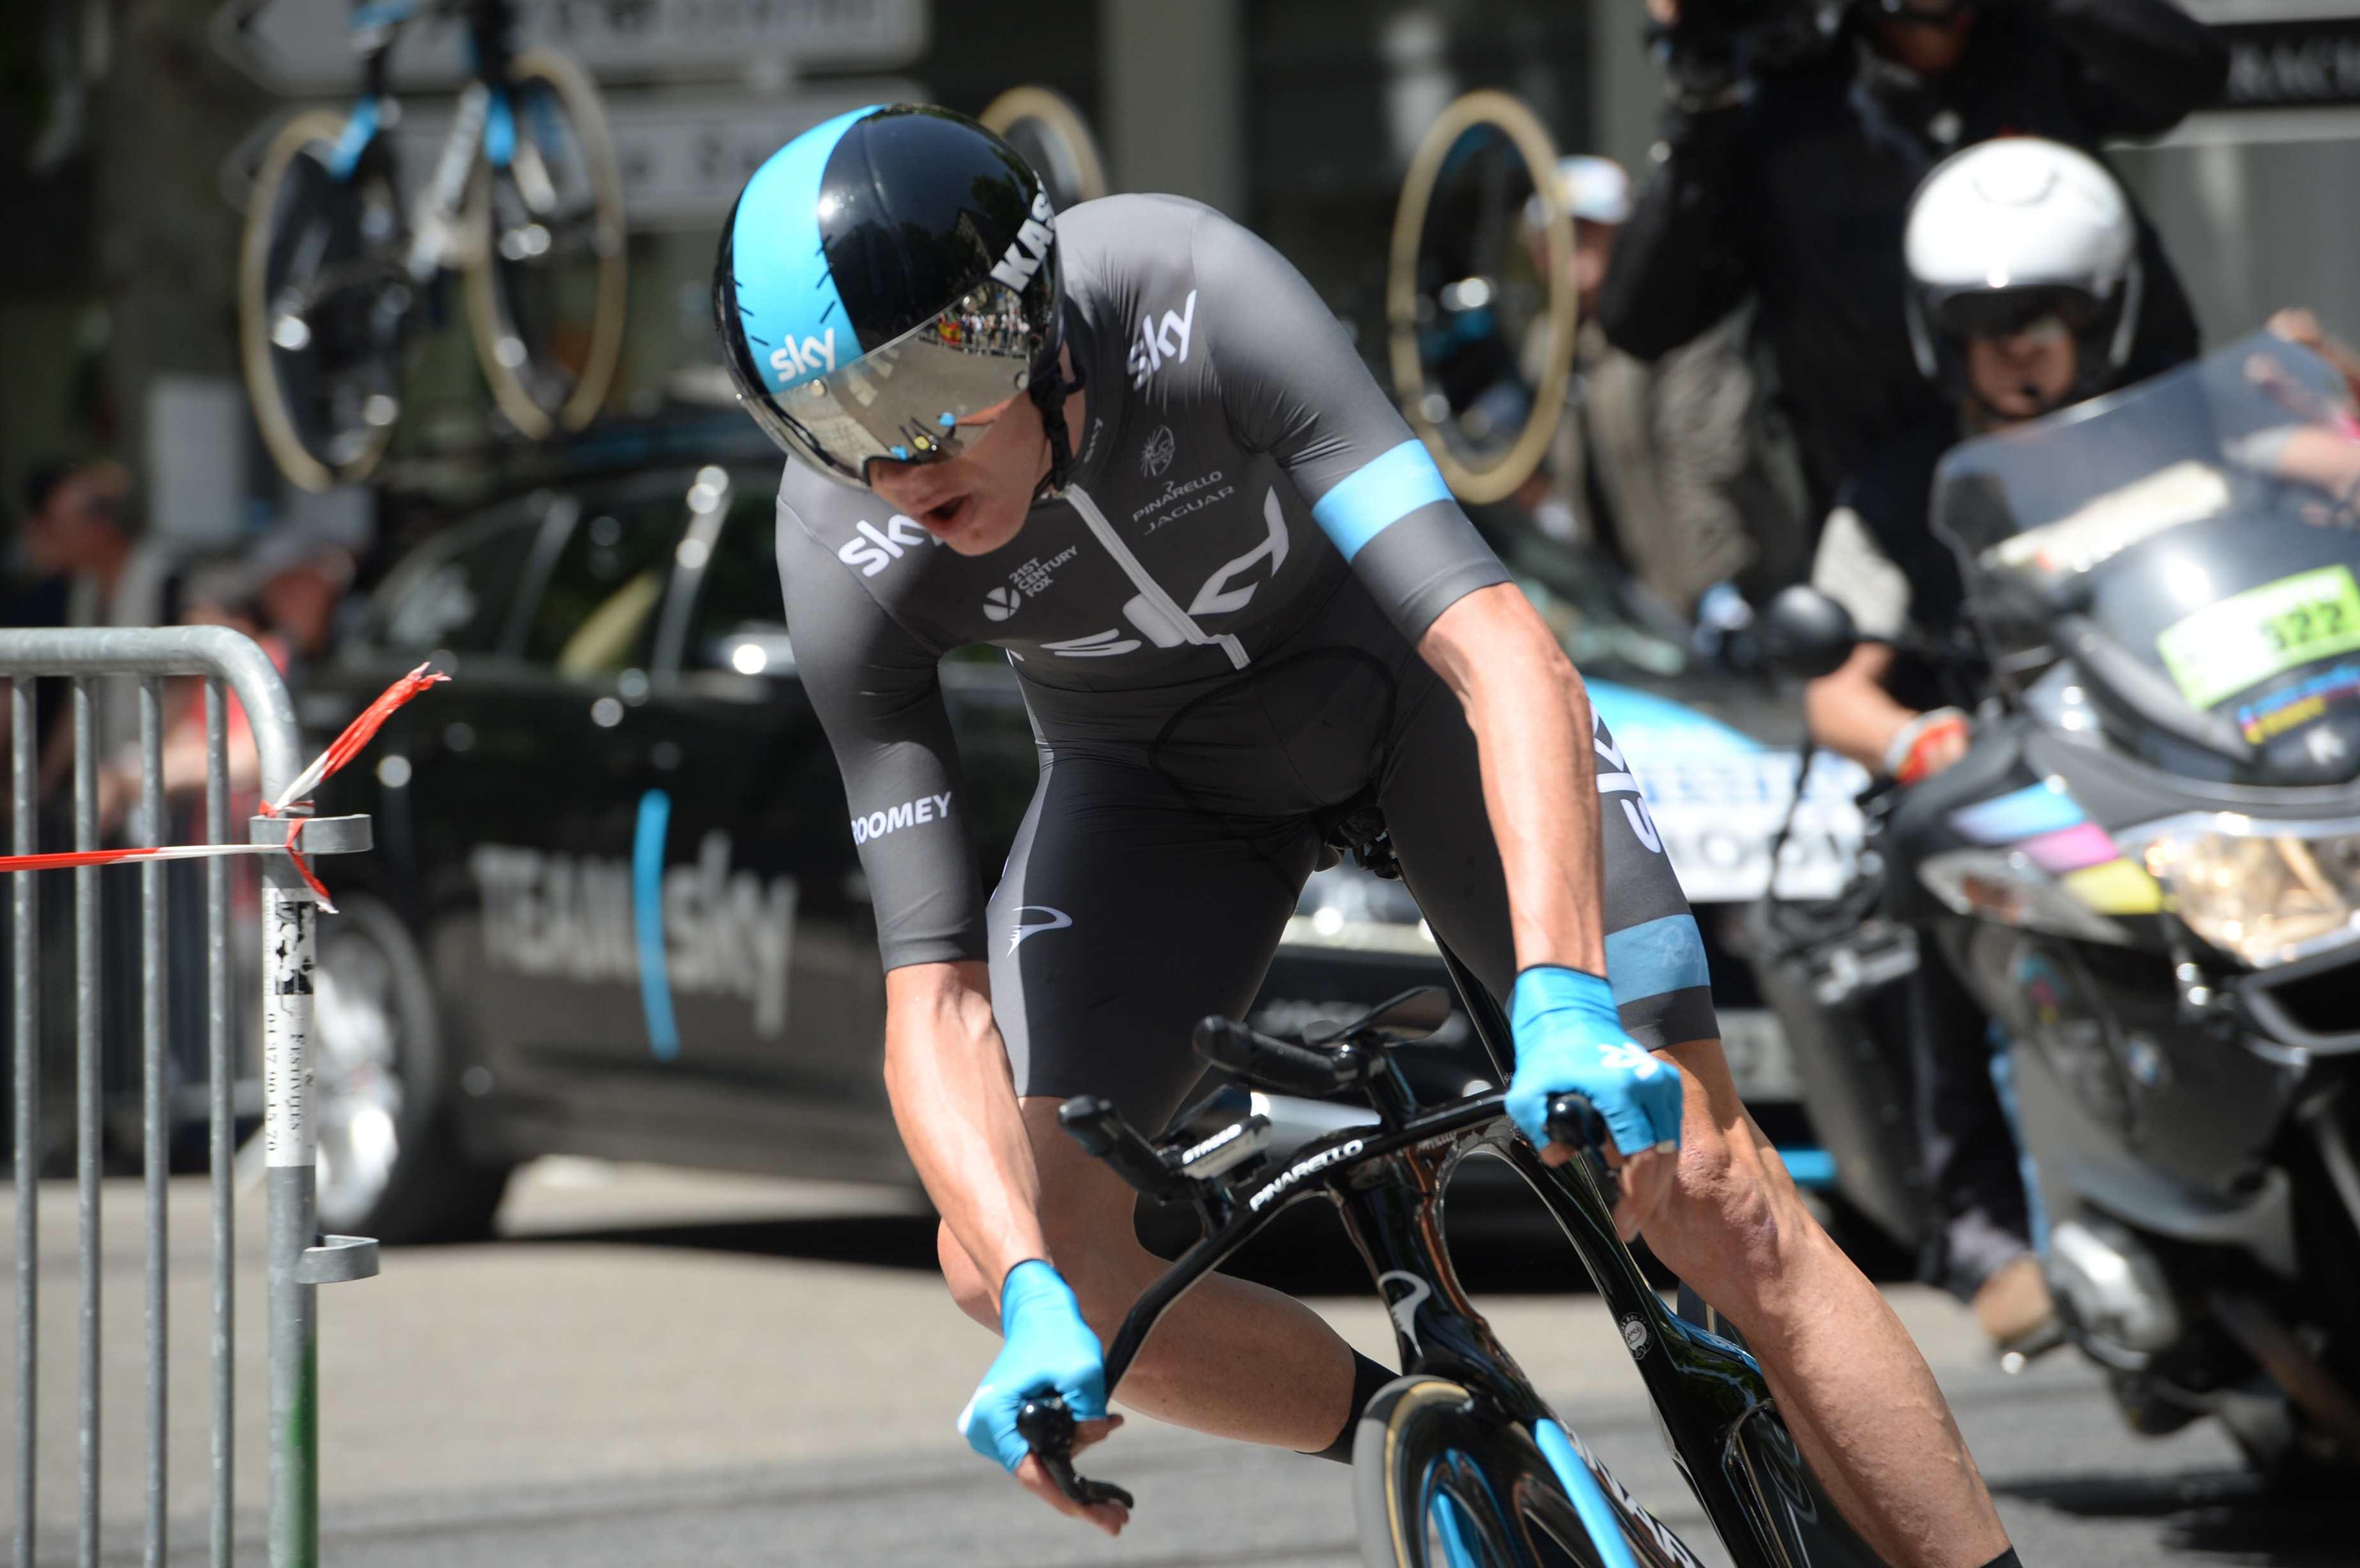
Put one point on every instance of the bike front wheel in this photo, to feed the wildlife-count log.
(1435, 1484)
(546, 255)
(323, 301)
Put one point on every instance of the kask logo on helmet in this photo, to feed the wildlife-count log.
(1030, 247)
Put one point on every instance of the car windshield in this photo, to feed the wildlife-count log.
(2191, 543)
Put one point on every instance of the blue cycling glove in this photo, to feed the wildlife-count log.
(1049, 1350)
(1570, 1040)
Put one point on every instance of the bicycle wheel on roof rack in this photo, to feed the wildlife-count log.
(546, 253)
(1435, 1484)
(323, 301)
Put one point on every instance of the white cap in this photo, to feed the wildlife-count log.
(1595, 190)
(2020, 212)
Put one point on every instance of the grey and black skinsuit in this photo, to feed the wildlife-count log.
(1214, 627)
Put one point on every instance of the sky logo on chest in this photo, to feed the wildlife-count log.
(791, 315)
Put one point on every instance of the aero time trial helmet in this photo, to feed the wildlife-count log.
(2010, 232)
(883, 276)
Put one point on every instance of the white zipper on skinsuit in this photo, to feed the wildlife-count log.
(1149, 588)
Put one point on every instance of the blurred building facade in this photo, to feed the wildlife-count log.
(125, 130)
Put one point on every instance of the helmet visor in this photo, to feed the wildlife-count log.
(903, 402)
(2006, 312)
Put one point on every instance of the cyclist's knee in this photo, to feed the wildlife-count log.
(1736, 1222)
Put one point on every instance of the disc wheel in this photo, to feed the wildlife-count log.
(1437, 1485)
(546, 258)
(323, 301)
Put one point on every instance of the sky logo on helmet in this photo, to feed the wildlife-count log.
(816, 356)
(1030, 247)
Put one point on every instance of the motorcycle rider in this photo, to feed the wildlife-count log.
(1036, 430)
(2026, 281)
(1795, 136)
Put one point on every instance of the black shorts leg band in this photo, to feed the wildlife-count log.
(2005, 1560)
(1368, 1377)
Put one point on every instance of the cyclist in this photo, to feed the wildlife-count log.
(1128, 446)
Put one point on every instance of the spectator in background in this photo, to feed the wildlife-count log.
(39, 599)
(1670, 465)
(1789, 160)
(95, 570)
(300, 577)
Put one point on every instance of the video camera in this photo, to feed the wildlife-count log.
(1716, 44)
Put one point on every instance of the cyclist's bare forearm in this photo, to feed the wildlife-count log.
(1531, 718)
(1530, 713)
(947, 1072)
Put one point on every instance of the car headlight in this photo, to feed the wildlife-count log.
(2270, 892)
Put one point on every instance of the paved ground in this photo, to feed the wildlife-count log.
(657, 1368)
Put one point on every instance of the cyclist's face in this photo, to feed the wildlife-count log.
(977, 501)
(2024, 375)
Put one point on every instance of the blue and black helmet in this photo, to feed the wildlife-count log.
(883, 276)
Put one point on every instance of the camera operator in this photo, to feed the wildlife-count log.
(1792, 142)
(1668, 465)
(2025, 277)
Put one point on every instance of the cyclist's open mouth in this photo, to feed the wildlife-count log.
(944, 517)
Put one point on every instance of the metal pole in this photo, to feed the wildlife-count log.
(24, 741)
(89, 1091)
(289, 919)
(221, 1067)
(155, 1109)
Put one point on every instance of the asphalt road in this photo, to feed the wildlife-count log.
(653, 1367)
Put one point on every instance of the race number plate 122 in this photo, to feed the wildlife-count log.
(2242, 641)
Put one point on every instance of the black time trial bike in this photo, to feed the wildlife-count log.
(524, 199)
(1461, 1463)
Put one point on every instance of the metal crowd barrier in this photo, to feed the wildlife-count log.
(298, 1258)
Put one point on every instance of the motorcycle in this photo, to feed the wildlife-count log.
(2147, 870)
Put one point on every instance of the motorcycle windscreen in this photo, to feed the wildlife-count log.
(2193, 542)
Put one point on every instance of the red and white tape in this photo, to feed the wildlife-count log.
(326, 765)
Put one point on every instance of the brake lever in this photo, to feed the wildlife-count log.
(1573, 1121)
(1048, 1425)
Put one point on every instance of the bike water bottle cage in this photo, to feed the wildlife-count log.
(882, 279)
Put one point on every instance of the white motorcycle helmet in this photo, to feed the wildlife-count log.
(2007, 232)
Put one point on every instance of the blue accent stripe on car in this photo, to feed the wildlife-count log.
(2020, 814)
(647, 922)
(1660, 724)
(794, 320)
(1598, 1515)
(1813, 1168)
(1656, 957)
(1379, 494)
